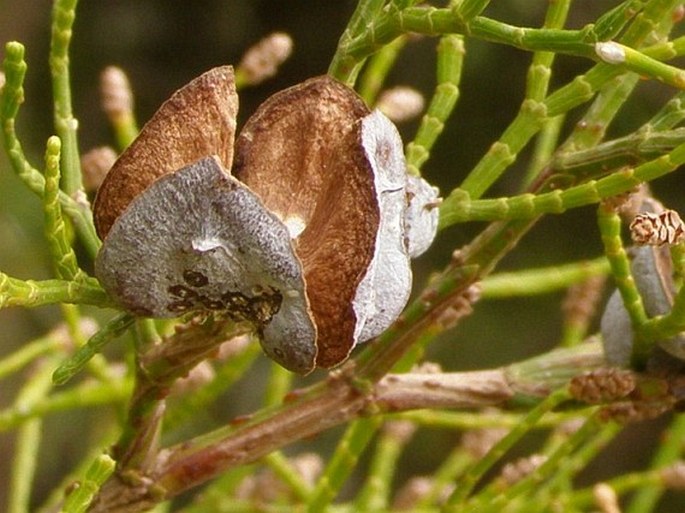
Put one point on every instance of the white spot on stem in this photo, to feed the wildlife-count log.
(610, 52)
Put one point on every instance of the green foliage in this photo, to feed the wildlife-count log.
(174, 371)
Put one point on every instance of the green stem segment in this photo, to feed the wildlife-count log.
(375, 494)
(26, 450)
(562, 454)
(344, 67)
(377, 69)
(354, 441)
(638, 62)
(30, 352)
(73, 365)
(30, 293)
(450, 59)
(669, 451)
(541, 281)
(63, 15)
(81, 496)
(12, 97)
(459, 207)
(471, 478)
(433, 21)
(537, 85)
(55, 229)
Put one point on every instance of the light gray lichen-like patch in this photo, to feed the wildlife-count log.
(408, 225)
(199, 238)
(385, 288)
(422, 215)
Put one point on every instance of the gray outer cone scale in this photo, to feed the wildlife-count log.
(200, 219)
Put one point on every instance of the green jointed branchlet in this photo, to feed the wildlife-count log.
(31, 293)
(75, 363)
(348, 451)
(377, 69)
(459, 207)
(64, 14)
(609, 224)
(80, 498)
(449, 67)
(12, 97)
(55, 229)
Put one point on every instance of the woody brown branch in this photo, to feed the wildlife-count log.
(313, 410)
(181, 467)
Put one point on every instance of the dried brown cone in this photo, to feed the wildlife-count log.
(602, 385)
(274, 138)
(318, 218)
(648, 228)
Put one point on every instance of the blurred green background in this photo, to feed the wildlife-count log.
(162, 44)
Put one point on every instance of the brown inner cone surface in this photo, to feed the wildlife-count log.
(198, 120)
(301, 153)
